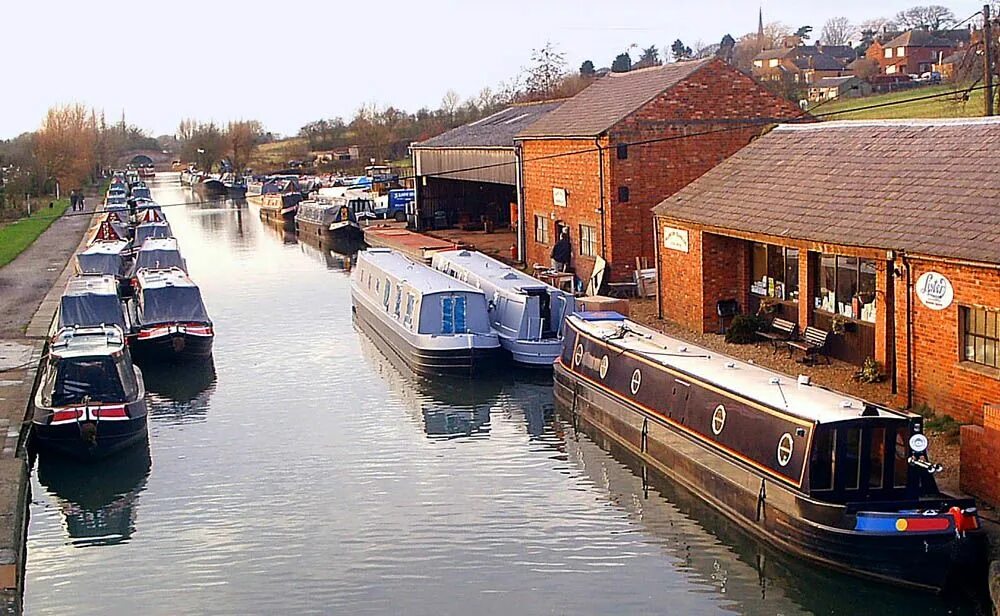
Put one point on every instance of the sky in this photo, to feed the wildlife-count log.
(289, 63)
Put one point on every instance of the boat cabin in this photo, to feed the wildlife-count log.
(91, 301)
(320, 213)
(159, 253)
(168, 296)
(104, 258)
(88, 366)
(147, 230)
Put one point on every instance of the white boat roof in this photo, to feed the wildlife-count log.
(496, 272)
(420, 277)
(317, 205)
(810, 402)
(106, 248)
(91, 285)
(85, 341)
(160, 243)
(160, 279)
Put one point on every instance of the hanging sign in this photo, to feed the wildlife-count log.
(559, 197)
(935, 291)
(675, 239)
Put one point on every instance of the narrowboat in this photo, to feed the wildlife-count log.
(526, 313)
(111, 229)
(158, 253)
(105, 258)
(140, 191)
(170, 318)
(91, 301)
(149, 212)
(210, 188)
(435, 323)
(151, 230)
(91, 400)
(313, 219)
(345, 228)
(282, 204)
(833, 479)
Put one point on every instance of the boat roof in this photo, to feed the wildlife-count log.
(751, 381)
(91, 285)
(420, 277)
(86, 341)
(161, 279)
(322, 206)
(498, 273)
(108, 248)
(160, 243)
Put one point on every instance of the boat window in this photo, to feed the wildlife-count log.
(409, 309)
(385, 293)
(901, 467)
(852, 459)
(876, 458)
(127, 376)
(88, 378)
(399, 299)
(822, 463)
(453, 315)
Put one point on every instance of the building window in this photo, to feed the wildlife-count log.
(758, 63)
(588, 241)
(846, 286)
(980, 329)
(888, 52)
(900, 52)
(622, 152)
(775, 272)
(623, 194)
(541, 230)
(773, 63)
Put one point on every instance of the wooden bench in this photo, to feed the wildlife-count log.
(780, 330)
(812, 343)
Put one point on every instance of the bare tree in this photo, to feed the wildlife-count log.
(546, 71)
(836, 31)
(935, 17)
(242, 138)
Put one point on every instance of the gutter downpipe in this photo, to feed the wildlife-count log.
(519, 190)
(656, 264)
(600, 175)
(909, 331)
(417, 178)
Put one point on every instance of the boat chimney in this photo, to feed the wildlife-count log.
(804, 379)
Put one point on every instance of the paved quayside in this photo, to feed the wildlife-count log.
(30, 287)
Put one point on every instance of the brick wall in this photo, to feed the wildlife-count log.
(680, 280)
(981, 456)
(939, 379)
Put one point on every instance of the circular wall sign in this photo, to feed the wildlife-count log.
(718, 420)
(934, 290)
(785, 447)
(604, 366)
(636, 382)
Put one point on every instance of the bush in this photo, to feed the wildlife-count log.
(744, 328)
(870, 372)
(940, 423)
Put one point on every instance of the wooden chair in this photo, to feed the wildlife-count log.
(779, 331)
(812, 343)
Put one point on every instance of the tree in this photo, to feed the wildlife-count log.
(546, 71)
(726, 47)
(935, 17)
(650, 57)
(679, 51)
(865, 68)
(587, 69)
(804, 32)
(199, 142)
(449, 104)
(622, 63)
(836, 31)
(241, 138)
(65, 145)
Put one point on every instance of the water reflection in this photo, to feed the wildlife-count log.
(281, 229)
(335, 255)
(180, 393)
(98, 501)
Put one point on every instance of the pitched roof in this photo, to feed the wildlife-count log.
(842, 52)
(820, 62)
(923, 186)
(919, 37)
(833, 82)
(608, 100)
(496, 131)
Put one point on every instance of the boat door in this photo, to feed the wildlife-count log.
(865, 460)
(679, 394)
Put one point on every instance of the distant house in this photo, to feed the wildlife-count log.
(829, 88)
(952, 65)
(803, 63)
(348, 153)
(596, 165)
(915, 51)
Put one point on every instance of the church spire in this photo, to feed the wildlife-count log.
(760, 29)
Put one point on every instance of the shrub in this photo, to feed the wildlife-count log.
(870, 372)
(744, 328)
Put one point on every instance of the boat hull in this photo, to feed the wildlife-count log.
(172, 346)
(427, 362)
(211, 189)
(533, 353)
(782, 517)
(90, 440)
(347, 232)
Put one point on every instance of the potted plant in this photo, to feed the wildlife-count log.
(768, 305)
(870, 372)
(839, 324)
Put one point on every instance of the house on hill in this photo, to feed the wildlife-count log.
(596, 165)
(803, 63)
(916, 51)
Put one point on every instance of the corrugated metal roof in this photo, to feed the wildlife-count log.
(494, 131)
(924, 186)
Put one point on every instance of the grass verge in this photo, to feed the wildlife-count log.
(17, 236)
(945, 106)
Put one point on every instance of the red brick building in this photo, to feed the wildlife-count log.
(892, 225)
(916, 51)
(597, 164)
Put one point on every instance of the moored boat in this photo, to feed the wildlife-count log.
(210, 188)
(280, 204)
(158, 253)
(105, 258)
(344, 227)
(313, 218)
(525, 312)
(90, 401)
(151, 230)
(91, 301)
(831, 478)
(170, 318)
(435, 323)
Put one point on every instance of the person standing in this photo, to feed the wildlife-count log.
(562, 252)
(72, 199)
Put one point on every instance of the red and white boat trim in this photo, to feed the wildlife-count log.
(73, 414)
(189, 329)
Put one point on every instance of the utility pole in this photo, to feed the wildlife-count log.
(988, 58)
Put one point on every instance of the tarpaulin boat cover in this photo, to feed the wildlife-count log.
(109, 264)
(173, 305)
(159, 259)
(91, 310)
(153, 229)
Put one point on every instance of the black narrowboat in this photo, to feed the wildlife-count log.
(170, 317)
(344, 227)
(834, 479)
(91, 400)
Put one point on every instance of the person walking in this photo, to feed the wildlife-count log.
(562, 252)
(72, 199)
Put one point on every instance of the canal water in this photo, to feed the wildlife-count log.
(303, 472)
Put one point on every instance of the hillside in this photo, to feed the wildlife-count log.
(943, 107)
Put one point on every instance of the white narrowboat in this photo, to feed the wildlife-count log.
(434, 322)
(526, 313)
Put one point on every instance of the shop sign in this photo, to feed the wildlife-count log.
(935, 291)
(559, 197)
(675, 239)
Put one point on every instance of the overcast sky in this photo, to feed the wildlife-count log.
(287, 63)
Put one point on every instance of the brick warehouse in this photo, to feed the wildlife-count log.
(604, 195)
(892, 225)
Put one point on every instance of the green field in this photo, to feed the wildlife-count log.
(944, 106)
(17, 236)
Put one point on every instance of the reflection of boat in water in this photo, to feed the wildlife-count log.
(334, 255)
(754, 577)
(180, 396)
(280, 228)
(98, 501)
